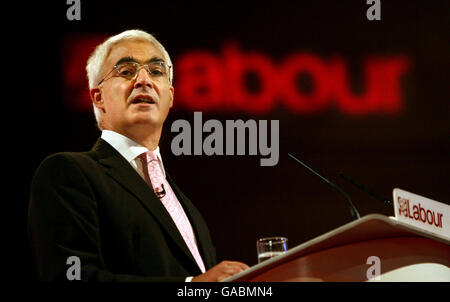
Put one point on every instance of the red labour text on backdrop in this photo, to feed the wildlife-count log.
(206, 81)
(209, 81)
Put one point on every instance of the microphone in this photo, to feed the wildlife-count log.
(365, 189)
(160, 193)
(353, 211)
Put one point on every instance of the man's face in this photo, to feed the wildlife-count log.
(135, 104)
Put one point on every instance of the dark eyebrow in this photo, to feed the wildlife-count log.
(155, 59)
(131, 59)
(126, 59)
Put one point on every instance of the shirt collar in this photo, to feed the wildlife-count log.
(128, 148)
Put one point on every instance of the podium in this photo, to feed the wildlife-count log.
(372, 248)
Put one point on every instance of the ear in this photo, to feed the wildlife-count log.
(172, 91)
(97, 99)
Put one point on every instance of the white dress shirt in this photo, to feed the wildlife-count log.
(130, 150)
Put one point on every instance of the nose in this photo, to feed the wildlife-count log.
(143, 79)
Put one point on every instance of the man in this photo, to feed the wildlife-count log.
(114, 207)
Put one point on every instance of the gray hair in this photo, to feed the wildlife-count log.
(101, 52)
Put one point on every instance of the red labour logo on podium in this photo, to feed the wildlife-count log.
(419, 213)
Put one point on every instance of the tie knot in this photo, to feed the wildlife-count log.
(148, 156)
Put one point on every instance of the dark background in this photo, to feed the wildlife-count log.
(240, 200)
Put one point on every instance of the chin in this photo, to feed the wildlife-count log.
(149, 118)
(147, 122)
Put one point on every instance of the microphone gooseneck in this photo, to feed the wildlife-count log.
(353, 211)
(365, 189)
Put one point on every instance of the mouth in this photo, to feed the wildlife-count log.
(143, 99)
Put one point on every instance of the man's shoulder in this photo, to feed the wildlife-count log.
(75, 157)
(63, 162)
(61, 157)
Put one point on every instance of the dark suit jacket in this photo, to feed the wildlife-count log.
(94, 205)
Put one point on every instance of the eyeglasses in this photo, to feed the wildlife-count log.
(129, 70)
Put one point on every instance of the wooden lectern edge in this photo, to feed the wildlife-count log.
(413, 229)
(320, 243)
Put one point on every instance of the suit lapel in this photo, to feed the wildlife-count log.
(120, 170)
(199, 230)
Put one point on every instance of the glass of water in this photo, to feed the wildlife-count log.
(270, 247)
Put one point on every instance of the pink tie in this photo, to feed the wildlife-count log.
(165, 193)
